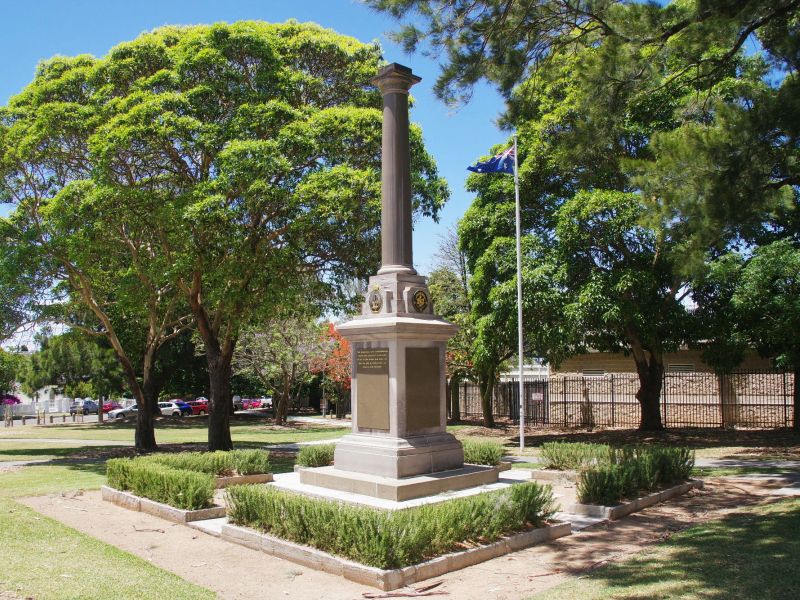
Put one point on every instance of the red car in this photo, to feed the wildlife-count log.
(111, 405)
(250, 403)
(199, 407)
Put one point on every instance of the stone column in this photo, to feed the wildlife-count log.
(394, 81)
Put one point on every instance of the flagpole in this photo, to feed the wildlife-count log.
(519, 305)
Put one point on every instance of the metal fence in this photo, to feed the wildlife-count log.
(688, 399)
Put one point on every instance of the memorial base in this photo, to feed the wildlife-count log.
(397, 457)
(399, 490)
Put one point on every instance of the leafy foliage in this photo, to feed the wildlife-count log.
(631, 469)
(219, 464)
(188, 490)
(574, 456)
(316, 455)
(216, 172)
(482, 452)
(390, 539)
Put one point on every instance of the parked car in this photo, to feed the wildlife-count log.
(83, 407)
(237, 403)
(121, 413)
(111, 405)
(266, 402)
(251, 403)
(170, 409)
(186, 410)
(199, 407)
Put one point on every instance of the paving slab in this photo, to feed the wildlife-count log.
(290, 482)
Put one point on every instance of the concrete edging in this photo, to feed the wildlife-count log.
(388, 579)
(157, 509)
(223, 482)
(621, 510)
(553, 475)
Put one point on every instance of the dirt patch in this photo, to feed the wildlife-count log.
(237, 572)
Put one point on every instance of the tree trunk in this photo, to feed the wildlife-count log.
(796, 420)
(486, 384)
(455, 408)
(220, 401)
(651, 379)
(145, 420)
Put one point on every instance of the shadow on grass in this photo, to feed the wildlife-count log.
(58, 452)
(690, 437)
(744, 555)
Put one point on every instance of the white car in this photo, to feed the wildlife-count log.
(121, 413)
(169, 409)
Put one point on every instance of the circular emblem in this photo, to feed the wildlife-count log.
(375, 301)
(420, 301)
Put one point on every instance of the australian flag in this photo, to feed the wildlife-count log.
(499, 163)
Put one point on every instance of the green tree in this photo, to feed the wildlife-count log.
(757, 305)
(282, 353)
(681, 145)
(506, 42)
(78, 365)
(201, 172)
(73, 251)
(264, 142)
(11, 366)
(449, 287)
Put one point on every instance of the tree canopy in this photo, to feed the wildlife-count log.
(653, 141)
(216, 170)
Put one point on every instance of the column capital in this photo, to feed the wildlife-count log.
(395, 78)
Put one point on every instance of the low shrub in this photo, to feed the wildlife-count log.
(189, 490)
(567, 456)
(316, 455)
(251, 462)
(482, 452)
(390, 539)
(219, 463)
(631, 469)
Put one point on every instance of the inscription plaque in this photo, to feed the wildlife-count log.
(422, 388)
(372, 388)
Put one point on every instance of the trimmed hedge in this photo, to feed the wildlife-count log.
(183, 480)
(632, 469)
(390, 539)
(569, 456)
(189, 490)
(482, 452)
(219, 464)
(316, 455)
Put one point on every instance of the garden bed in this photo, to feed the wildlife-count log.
(158, 509)
(389, 579)
(631, 506)
(390, 540)
(187, 481)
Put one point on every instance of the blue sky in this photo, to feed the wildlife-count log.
(38, 29)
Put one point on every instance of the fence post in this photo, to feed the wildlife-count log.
(564, 393)
(721, 398)
(785, 403)
(664, 395)
(613, 400)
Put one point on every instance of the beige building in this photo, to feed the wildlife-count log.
(684, 361)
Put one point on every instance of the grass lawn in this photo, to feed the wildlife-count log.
(176, 431)
(42, 558)
(745, 555)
